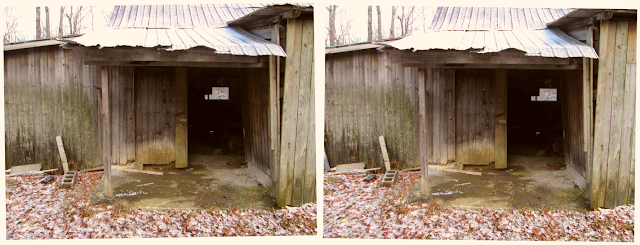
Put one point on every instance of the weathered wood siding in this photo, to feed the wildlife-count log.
(154, 116)
(49, 93)
(296, 169)
(613, 151)
(440, 89)
(368, 96)
(122, 114)
(255, 113)
(475, 113)
(571, 99)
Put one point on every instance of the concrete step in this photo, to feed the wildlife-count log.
(69, 179)
(389, 178)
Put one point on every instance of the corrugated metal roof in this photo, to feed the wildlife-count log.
(185, 16)
(271, 10)
(493, 18)
(545, 43)
(224, 40)
(179, 16)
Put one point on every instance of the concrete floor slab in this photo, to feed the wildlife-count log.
(527, 183)
(208, 182)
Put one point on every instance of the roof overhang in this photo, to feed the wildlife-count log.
(585, 17)
(224, 40)
(550, 43)
(31, 44)
(272, 14)
(358, 46)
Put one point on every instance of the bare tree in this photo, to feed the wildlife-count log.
(393, 18)
(407, 18)
(38, 28)
(60, 26)
(370, 25)
(379, 23)
(75, 19)
(11, 26)
(47, 23)
(332, 24)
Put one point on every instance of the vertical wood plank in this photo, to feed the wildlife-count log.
(451, 116)
(106, 132)
(501, 119)
(617, 104)
(422, 131)
(603, 113)
(290, 111)
(182, 126)
(628, 120)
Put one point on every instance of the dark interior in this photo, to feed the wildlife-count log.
(533, 125)
(215, 126)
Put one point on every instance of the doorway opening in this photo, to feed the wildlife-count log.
(534, 114)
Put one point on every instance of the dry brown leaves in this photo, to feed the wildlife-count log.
(356, 209)
(37, 211)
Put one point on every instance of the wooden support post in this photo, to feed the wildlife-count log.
(501, 119)
(422, 132)
(274, 109)
(181, 118)
(106, 130)
(588, 111)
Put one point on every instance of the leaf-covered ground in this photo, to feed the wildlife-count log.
(43, 211)
(356, 209)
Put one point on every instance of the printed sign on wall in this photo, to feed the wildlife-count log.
(218, 93)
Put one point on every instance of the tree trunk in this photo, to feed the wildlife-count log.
(393, 17)
(370, 24)
(379, 23)
(60, 31)
(47, 23)
(332, 24)
(38, 28)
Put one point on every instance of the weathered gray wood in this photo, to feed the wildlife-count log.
(625, 179)
(106, 132)
(385, 155)
(435, 57)
(290, 112)
(501, 119)
(603, 113)
(132, 54)
(422, 131)
(63, 156)
(617, 103)
(181, 132)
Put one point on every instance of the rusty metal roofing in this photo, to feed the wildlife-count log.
(223, 40)
(545, 42)
(494, 18)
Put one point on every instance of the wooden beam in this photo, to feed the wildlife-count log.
(63, 156)
(422, 133)
(183, 64)
(385, 155)
(501, 119)
(149, 54)
(106, 130)
(274, 109)
(463, 57)
(181, 118)
(573, 66)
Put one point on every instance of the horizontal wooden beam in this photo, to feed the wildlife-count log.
(464, 57)
(482, 66)
(181, 64)
(149, 54)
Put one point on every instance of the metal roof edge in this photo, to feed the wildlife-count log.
(248, 18)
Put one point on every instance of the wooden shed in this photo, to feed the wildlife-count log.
(446, 95)
(168, 75)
